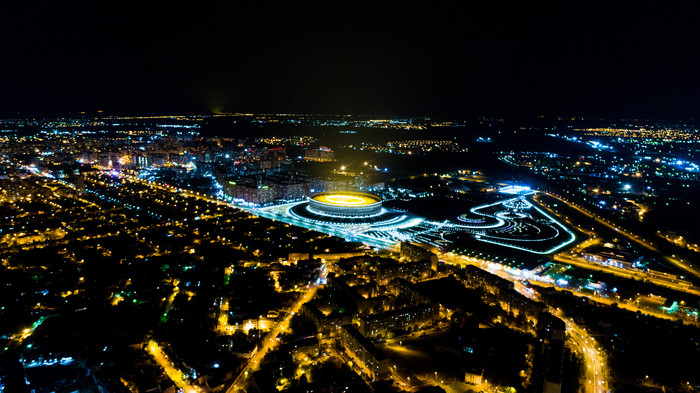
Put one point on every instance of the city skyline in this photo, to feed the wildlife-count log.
(348, 253)
(394, 197)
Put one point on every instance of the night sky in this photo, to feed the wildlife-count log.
(636, 58)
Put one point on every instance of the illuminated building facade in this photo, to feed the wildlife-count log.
(321, 154)
(360, 349)
(412, 318)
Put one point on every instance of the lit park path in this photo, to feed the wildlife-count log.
(175, 375)
(271, 339)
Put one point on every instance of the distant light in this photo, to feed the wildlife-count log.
(514, 190)
(627, 187)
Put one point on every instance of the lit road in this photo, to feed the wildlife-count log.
(175, 375)
(184, 192)
(328, 229)
(495, 268)
(678, 285)
(593, 358)
(270, 340)
(644, 243)
(601, 221)
(607, 301)
(17, 339)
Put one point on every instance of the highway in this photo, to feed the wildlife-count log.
(677, 285)
(657, 313)
(630, 236)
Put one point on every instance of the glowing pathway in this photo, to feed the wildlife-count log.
(593, 357)
(407, 227)
(518, 244)
(175, 375)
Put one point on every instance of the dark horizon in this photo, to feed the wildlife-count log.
(628, 59)
(512, 119)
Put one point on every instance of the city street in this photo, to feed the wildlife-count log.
(630, 236)
(593, 358)
(677, 285)
(175, 375)
(270, 341)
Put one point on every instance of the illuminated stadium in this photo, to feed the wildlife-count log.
(347, 209)
(345, 204)
(514, 223)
